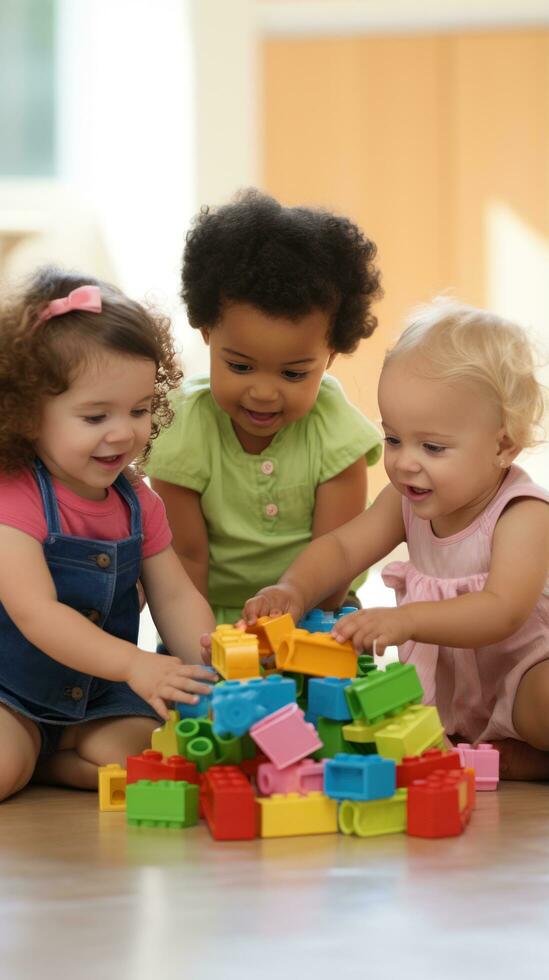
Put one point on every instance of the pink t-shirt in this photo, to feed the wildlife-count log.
(102, 520)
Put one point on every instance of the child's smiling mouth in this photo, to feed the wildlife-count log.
(261, 418)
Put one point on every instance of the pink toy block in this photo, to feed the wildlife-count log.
(484, 760)
(303, 777)
(285, 737)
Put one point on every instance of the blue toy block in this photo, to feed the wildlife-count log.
(365, 777)
(319, 621)
(237, 705)
(199, 710)
(327, 698)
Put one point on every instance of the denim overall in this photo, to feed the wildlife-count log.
(97, 579)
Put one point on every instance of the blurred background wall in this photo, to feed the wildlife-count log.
(427, 123)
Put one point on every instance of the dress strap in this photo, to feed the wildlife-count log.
(126, 491)
(519, 486)
(49, 500)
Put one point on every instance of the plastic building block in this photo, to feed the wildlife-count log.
(419, 767)
(319, 621)
(270, 632)
(235, 654)
(250, 767)
(152, 765)
(383, 692)
(361, 733)
(285, 737)
(199, 710)
(317, 654)
(375, 817)
(237, 705)
(163, 804)
(333, 740)
(112, 788)
(484, 759)
(229, 804)
(164, 739)
(367, 777)
(294, 815)
(439, 806)
(419, 728)
(365, 664)
(303, 777)
(326, 697)
(226, 751)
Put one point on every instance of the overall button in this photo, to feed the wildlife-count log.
(76, 693)
(271, 510)
(267, 467)
(102, 560)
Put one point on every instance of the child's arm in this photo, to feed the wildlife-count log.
(518, 570)
(337, 501)
(180, 613)
(28, 594)
(332, 560)
(190, 536)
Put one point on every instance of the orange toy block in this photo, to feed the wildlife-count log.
(235, 654)
(271, 631)
(317, 654)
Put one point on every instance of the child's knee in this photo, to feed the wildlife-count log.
(531, 707)
(114, 739)
(20, 743)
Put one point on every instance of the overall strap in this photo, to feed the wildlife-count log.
(51, 510)
(126, 490)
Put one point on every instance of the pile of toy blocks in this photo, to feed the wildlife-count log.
(302, 737)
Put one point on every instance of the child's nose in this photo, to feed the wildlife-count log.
(121, 432)
(408, 462)
(263, 391)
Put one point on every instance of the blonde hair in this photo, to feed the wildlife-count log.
(461, 343)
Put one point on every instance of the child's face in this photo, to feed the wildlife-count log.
(90, 432)
(266, 371)
(444, 444)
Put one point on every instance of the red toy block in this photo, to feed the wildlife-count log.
(250, 766)
(415, 767)
(229, 804)
(152, 765)
(439, 806)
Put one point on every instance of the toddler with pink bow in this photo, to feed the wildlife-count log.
(459, 400)
(84, 378)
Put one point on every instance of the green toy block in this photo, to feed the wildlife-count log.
(331, 734)
(361, 732)
(228, 751)
(167, 803)
(372, 818)
(383, 692)
(419, 728)
(365, 664)
(248, 746)
(201, 751)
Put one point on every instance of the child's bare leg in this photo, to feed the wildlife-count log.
(20, 741)
(529, 759)
(84, 748)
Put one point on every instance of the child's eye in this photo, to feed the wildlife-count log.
(238, 367)
(294, 375)
(391, 441)
(94, 419)
(139, 412)
(431, 447)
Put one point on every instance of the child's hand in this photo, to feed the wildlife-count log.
(275, 600)
(206, 647)
(160, 679)
(377, 628)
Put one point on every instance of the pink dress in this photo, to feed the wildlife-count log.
(474, 689)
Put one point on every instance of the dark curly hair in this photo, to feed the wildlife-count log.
(285, 261)
(39, 359)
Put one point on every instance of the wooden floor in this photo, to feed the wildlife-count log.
(84, 896)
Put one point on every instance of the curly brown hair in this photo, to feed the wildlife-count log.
(39, 358)
(284, 261)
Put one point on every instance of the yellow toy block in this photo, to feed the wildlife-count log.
(112, 787)
(361, 731)
(293, 815)
(372, 818)
(317, 654)
(164, 739)
(235, 654)
(271, 631)
(417, 729)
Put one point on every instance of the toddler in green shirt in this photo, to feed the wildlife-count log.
(267, 453)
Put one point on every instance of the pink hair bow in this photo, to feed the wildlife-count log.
(83, 298)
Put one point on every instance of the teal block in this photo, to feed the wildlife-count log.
(166, 803)
(381, 693)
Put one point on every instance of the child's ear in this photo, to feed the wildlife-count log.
(331, 359)
(507, 450)
(205, 335)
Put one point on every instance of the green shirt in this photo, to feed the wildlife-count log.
(258, 509)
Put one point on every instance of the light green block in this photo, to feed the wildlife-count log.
(419, 728)
(374, 817)
(166, 803)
